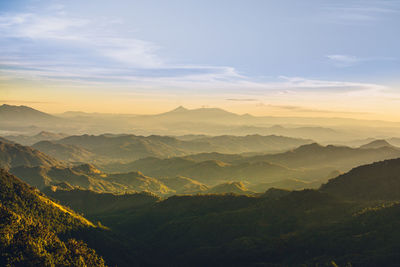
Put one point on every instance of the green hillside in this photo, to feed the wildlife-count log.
(86, 176)
(33, 226)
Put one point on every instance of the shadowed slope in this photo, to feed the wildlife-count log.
(376, 181)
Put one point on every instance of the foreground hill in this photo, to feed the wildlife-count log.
(305, 228)
(93, 203)
(14, 155)
(377, 181)
(31, 229)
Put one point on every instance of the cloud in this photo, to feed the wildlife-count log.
(348, 60)
(72, 36)
(241, 99)
(12, 101)
(81, 51)
(361, 12)
(298, 109)
(73, 47)
(312, 84)
(343, 60)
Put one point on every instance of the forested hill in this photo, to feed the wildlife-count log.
(32, 227)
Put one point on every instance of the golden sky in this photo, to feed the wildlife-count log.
(56, 97)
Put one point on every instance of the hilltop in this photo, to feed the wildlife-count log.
(14, 155)
(31, 139)
(230, 187)
(23, 114)
(377, 144)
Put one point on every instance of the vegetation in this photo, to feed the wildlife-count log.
(277, 228)
(32, 227)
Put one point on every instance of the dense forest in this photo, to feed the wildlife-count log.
(276, 228)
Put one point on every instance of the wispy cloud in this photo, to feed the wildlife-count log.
(349, 60)
(241, 99)
(360, 12)
(12, 101)
(64, 45)
(77, 50)
(300, 109)
(343, 60)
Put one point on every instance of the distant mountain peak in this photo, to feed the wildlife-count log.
(179, 109)
(376, 144)
(204, 113)
(23, 114)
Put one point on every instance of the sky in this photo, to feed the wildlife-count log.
(284, 58)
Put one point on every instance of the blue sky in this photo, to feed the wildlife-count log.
(233, 48)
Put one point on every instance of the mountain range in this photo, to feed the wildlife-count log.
(183, 121)
(278, 227)
(30, 140)
(91, 148)
(304, 167)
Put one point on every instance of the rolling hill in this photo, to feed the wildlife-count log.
(88, 177)
(304, 167)
(14, 155)
(64, 152)
(108, 147)
(31, 139)
(337, 157)
(210, 172)
(93, 203)
(184, 185)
